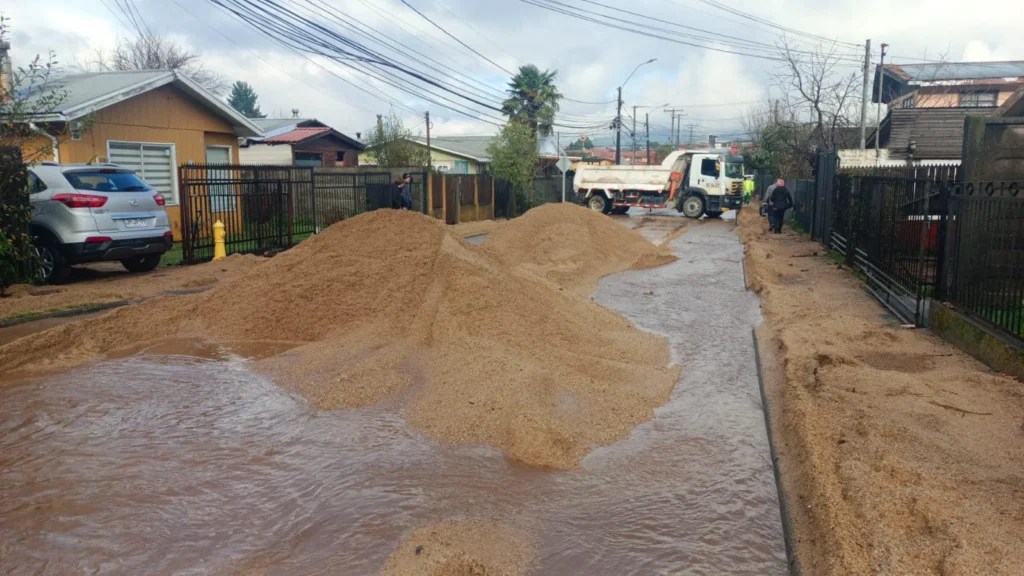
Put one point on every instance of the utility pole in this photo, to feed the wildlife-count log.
(632, 158)
(430, 163)
(864, 97)
(380, 126)
(691, 127)
(878, 111)
(647, 129)
(618, 129)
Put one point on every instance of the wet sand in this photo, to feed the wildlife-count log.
(900, 454)
(165, 463)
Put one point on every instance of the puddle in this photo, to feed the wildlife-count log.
(182, 460)
(476, 238)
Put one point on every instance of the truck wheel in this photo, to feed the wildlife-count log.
(693, 206)
(141, 263)
(598, 203)
(713, 214)
(53, 268)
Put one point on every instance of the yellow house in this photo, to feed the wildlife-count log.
(150, 121)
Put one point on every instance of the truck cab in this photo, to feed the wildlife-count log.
(711, 183)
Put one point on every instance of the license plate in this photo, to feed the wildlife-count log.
(136, 222)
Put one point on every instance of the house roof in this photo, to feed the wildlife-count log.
(901, 78)
(1014, 105)
(470, 147)
(305, 134)
(86, 93)
(938, 132)
(274, 126)
(296, 135)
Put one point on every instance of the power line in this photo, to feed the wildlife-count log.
(453, 37)
(753, 18)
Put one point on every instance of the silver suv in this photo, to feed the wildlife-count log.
(93, 213)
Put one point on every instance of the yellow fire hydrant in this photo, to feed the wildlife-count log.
(218, 241)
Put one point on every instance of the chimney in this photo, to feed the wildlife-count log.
(295, 112)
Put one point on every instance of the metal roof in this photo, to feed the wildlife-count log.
(296, 135)
(937, 132)
(471, 147)
(274, 126)
(89, 92)
(946, 71)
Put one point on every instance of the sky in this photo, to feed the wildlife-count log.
(713, 88)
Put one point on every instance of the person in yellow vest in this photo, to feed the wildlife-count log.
(748, 188)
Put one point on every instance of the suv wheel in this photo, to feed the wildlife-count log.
(53, 268)
(693, 206)
(142, 263)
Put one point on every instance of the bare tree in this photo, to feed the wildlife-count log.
(154, 52)
(814, 80)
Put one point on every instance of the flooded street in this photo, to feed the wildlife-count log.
(193, 464)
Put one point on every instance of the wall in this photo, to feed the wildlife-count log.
(995, 350)
(949, 97)
(993, 149)
(166, 116)
(279, 155)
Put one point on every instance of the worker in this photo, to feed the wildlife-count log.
(779, 200)
(405, 192)
(748, 188)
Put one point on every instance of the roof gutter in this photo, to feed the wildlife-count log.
(53, 140)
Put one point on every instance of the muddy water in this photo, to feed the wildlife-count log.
(162, 463)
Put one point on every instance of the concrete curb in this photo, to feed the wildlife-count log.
(787, 522)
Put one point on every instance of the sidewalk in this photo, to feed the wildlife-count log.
(899, 453)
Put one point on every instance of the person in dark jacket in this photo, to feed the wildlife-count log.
(405, 192)
(779, 200)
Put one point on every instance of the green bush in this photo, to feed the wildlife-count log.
(18, 260)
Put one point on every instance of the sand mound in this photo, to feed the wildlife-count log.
(390, 306)
(572, 246)
(460, 549)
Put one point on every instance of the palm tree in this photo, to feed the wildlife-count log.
(532, 97)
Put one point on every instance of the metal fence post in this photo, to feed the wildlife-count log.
(940, 243)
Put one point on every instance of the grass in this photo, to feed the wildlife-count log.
(798, 227)
(839, 259)
(175, 256)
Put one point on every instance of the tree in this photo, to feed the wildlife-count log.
(244, 99)
(533, 98)
(584, 144)
(513, 154)
(153, 52)
(391, 145)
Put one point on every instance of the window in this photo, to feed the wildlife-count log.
(907, 102)
(309, 159)
(221, 197)
(339, 156)
(986, 99)
(734, 170)
(153, 163)
(709, 167)
(35, 185)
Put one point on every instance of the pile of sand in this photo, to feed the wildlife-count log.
(572, 246)
(460, 549)
(388, 305)
(900, 454)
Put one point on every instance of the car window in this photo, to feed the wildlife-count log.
(106, 181)
(35, 184)
(709, 167)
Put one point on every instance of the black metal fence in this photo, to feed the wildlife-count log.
(919, 234)
(266, 208)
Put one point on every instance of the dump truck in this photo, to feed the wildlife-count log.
(694, 182)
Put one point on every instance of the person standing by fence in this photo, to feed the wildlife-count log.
(406, 191)
(748, 188)
(779, 200)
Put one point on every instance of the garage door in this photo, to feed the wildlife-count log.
(153, 162)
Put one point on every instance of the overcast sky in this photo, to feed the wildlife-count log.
(713, 88)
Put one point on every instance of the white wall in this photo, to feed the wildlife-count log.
(279, 155)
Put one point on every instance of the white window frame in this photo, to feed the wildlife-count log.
(175, 194)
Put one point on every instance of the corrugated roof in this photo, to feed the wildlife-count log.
(89, 92)
(471, 147)
(945, 71)
(296, 135)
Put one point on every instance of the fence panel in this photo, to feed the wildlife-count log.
(983, 271)
(503, 198)
(803, 203)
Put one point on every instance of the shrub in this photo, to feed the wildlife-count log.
(18, 260)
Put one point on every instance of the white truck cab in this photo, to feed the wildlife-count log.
(693, 182)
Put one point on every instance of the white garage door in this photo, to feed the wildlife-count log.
(153, 162)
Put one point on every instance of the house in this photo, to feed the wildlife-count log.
(150, 121)
(928, 104)
(305, 142)
(468, 154)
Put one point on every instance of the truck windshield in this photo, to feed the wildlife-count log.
(734, 170)
(106, 181)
